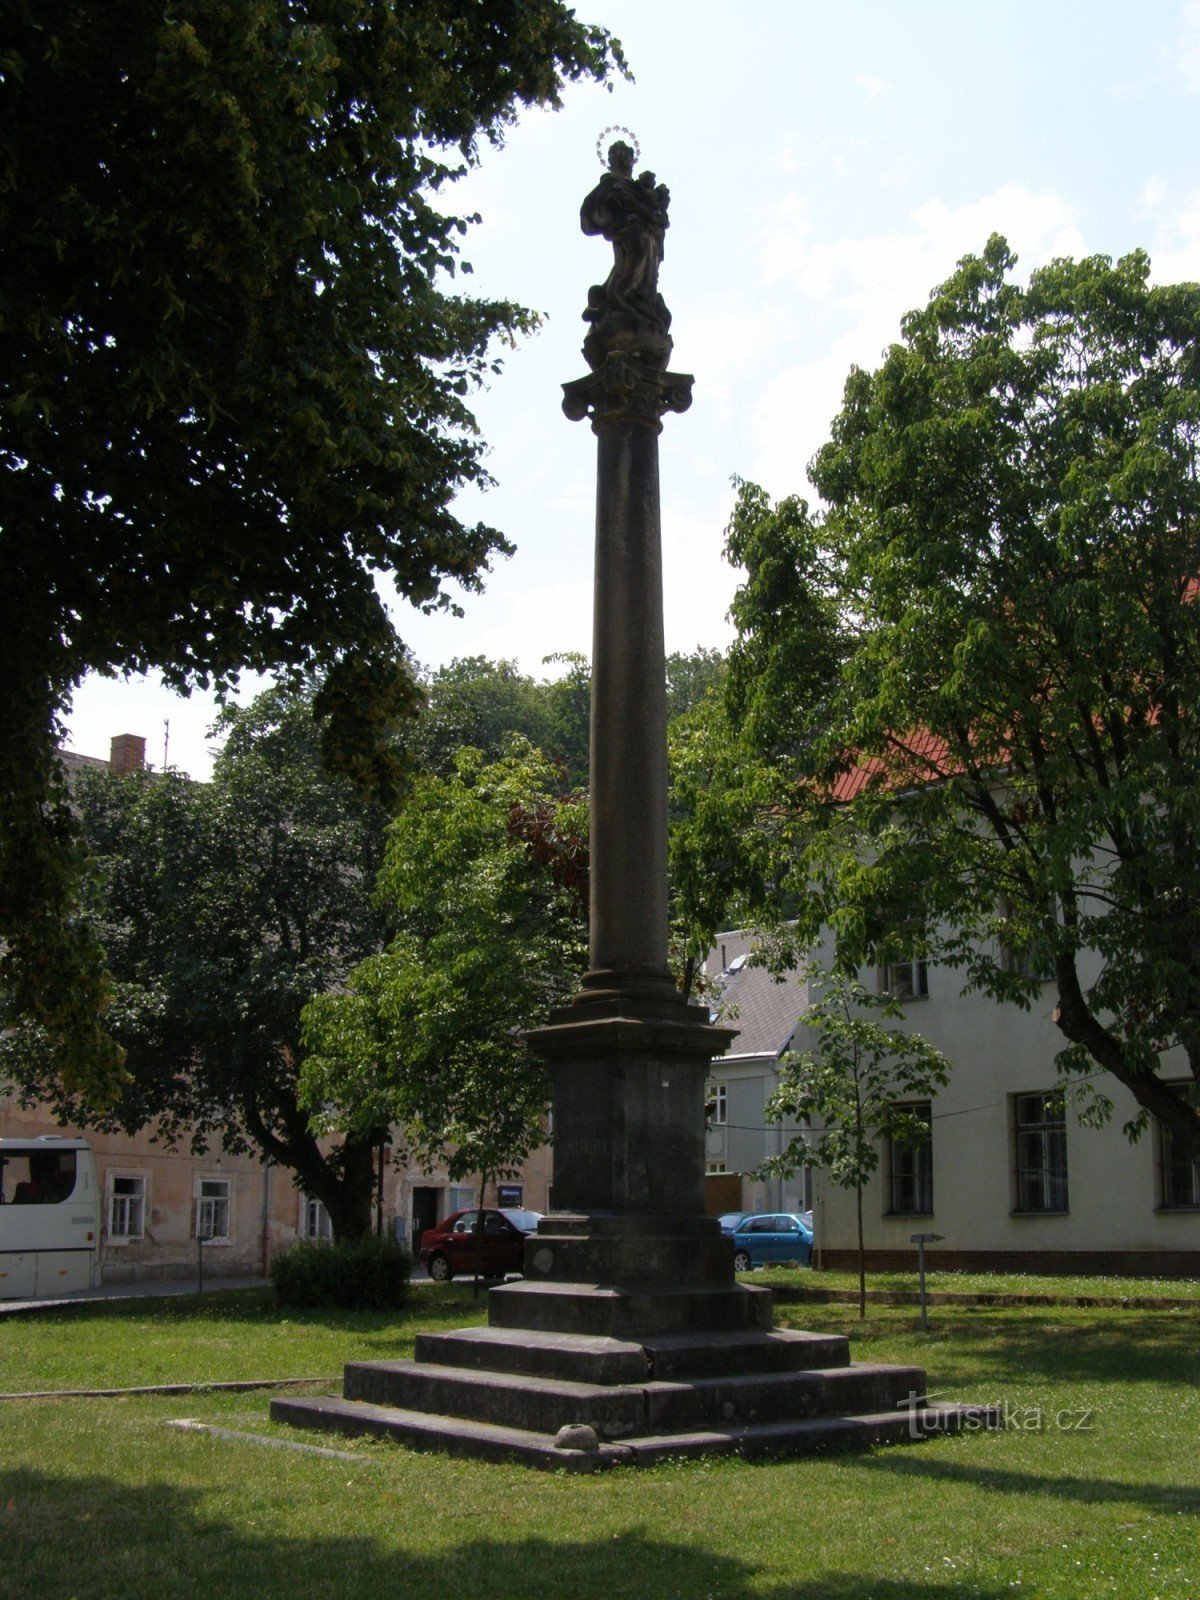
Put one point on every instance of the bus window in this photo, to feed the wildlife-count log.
(37, 1177)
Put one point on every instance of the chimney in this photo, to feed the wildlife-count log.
(127, 753)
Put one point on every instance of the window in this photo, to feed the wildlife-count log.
(459, 1200)
(213, 1208)
(1034, 959)
(1179, 1175)
(906, 980)
(315, 1221)
(910, 1169)
(717, 1104)
(37, 1177)
(1040, 1131)
(126, 1205)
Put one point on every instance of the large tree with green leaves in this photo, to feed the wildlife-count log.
(233, 382)
(485, 881)
(222, 908)
(1004, 772)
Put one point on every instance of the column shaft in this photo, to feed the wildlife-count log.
(629, 717)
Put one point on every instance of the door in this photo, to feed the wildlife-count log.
(424, 1213)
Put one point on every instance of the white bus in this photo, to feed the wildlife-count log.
(49, 1218)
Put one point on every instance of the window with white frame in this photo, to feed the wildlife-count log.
(315, 1221)
(460, 1200)
(910, 1169)
(213, 1208)
(718, 1104)
(1040, 1141)
(126, 1205)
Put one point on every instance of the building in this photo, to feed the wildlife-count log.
(1010, 1177)
(766, 1012)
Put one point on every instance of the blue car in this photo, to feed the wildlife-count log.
(768, 1236)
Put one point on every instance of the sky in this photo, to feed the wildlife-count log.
(829, 162)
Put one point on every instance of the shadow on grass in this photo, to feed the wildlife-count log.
(1166, 1498)
(92, 1539)
(424, 1306)
(1125, 1347)
(1072, 1345)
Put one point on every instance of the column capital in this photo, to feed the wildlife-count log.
(624, 389)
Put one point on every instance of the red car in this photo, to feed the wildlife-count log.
(454, 1245)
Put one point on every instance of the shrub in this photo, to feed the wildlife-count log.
(364, 1275)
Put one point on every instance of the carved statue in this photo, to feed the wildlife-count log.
(626, 311)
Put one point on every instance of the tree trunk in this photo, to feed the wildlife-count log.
(348, 1196)
(862, 1255)
(483, 1183)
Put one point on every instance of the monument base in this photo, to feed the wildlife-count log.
(628, 1338)
(525, 1390)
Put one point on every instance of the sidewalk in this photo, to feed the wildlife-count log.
(156, 1290)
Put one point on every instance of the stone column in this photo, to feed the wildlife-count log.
(629, 1057)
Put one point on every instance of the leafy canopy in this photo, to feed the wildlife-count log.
(235, 385)
(485, 883)
(1014, 533)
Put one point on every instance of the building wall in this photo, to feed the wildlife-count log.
(267, 1211)
(1114, 1221)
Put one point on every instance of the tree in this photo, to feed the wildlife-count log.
(1007, 770)
(234, 385)
(222, 908)
(852, 1085)
(485, 881)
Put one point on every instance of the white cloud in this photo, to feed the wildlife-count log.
(1175, 252)
(873, 88)
(1154, 192)
(867, 284)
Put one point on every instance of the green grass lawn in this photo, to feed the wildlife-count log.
(1091, 1491)
(1007, 1283)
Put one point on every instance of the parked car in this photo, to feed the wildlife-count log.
(769, 1236)
(454, 1245)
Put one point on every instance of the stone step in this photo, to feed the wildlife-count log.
(813, 1435)
(714, 1355)
(585, 1358)
(543, 1405)
(618, 1411)
(467, 1438)
(455, 1436)
(766, 1398)
(597, 1359)
(628, 1312)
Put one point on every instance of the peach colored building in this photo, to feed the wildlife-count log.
(157, 1203)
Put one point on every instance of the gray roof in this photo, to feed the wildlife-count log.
(768, 1009)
